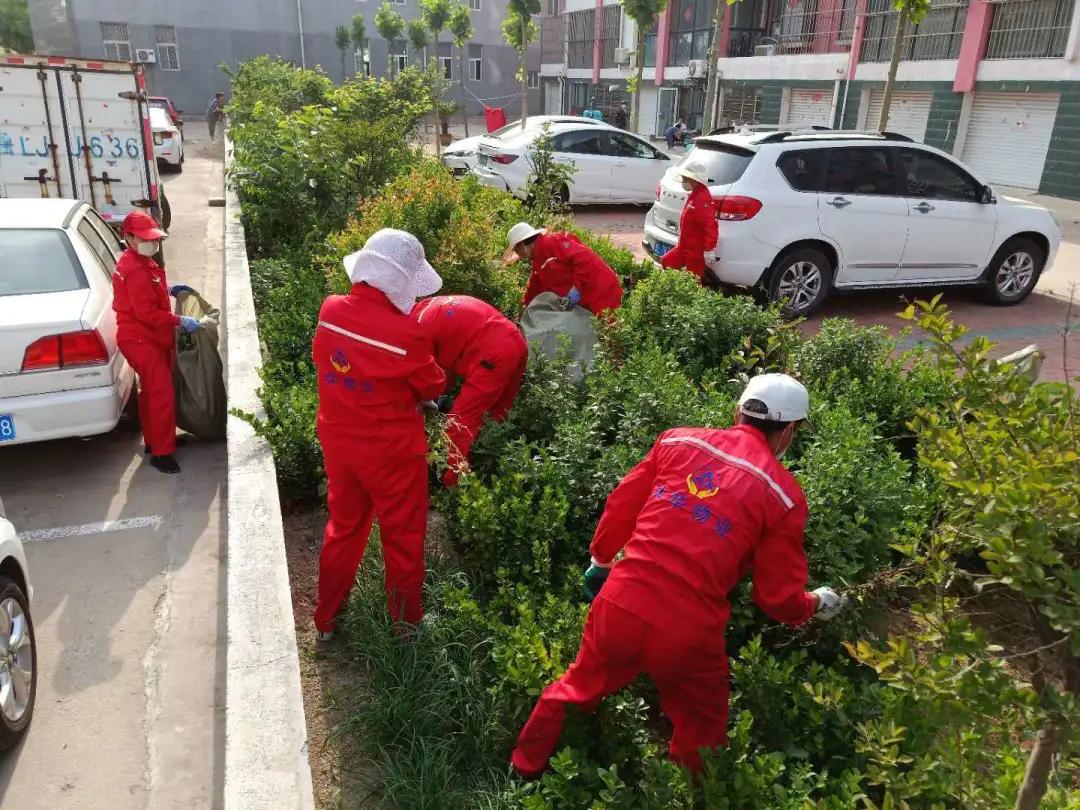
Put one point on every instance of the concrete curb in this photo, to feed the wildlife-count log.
(266, 749)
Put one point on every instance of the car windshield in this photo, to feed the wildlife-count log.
(724, 163)
(37, 260)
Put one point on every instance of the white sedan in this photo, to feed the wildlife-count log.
(460, 156)
(610, 165)
(61, 372)
(168, 140)
(18, 652)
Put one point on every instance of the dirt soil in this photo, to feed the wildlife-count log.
(332, 686)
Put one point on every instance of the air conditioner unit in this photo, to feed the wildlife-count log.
(145, 55)
(622, 56)
(765, 50)
(698, 68)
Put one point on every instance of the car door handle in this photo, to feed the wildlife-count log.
(924, 208)
(838, 202)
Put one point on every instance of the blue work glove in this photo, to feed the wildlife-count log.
(189, 324)
(179, 288)
(595, 577)
(574, 297)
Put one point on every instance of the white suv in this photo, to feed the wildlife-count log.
(803, 213)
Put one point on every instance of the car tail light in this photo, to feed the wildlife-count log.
(504, 158)
(68, 350)
(736, 208)
(658, 190)
(158, 139)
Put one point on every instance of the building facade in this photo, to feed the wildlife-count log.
(997, 84)
(189, 41)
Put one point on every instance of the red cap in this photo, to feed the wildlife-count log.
(142, 225)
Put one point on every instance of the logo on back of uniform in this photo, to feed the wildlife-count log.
(340, 361)
(702, 483)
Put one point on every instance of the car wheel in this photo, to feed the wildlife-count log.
(802, 279)
(1013, 272)
(18, 664)
(166, 211)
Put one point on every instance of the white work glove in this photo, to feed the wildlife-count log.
(830, 603)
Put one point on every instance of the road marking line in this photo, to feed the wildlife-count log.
(60, 532)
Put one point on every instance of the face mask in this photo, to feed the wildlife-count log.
(147, 249)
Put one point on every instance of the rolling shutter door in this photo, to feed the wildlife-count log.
(809, 108)
(908, 113)
(1008, 137)
(647, 118)
(552, 98)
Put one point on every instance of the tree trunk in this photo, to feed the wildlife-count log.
(464, 99)
(635, 118)
(524, 71)
(343, 75)
(1047, 744)
(894, 63)
(713, 86)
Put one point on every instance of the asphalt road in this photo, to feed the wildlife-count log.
(127, 568)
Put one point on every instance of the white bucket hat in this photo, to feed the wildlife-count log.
(784, 397)
(695, 170)
(518, 234)
(393, 261)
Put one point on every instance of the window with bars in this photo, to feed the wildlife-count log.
(938, 36)
(1033, 29)
(474, 5)
(580, 33)
(117, 41)
(691, 30)
(611, 33)
(361, 62)
(447, 65)
(168, 50)
(399, 55)
(534, 79)
(476, 70)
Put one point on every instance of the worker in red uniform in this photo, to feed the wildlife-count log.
(704, 508)
(376, 367)
(697, 224)
(563, 265)
(473, 340)
(146, 334)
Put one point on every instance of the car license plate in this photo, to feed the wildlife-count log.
(7, 427)
(482, 159)
(660, 248)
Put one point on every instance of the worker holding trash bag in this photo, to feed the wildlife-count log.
(698, 231)
(475, 341)
(375, 367)
(561, 264)
(701, 511)
(146, 333)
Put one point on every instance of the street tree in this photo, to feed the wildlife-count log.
(341, 40)
(909, 11)
(359, 34)
(644, 13)
(389, 24)
(519, 30)
(461, 28)
(436, 15)
(418, 37)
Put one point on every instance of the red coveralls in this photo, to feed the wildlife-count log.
(375, 368)
(145, 333)
(704, 508)
(698, 233)
(560, 261)
(473, 340)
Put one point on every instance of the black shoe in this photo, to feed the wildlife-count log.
(165, 464)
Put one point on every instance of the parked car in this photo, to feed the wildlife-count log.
(168, 140)
(18, 649)
(611, 166)
(165, 103)
(804, 213)
(61, 373)
(460, 156)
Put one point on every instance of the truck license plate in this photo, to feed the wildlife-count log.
(7, 427)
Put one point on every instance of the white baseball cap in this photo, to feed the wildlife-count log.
(785, 398)
(518, 234)
(695, 170)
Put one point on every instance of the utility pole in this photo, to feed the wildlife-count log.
(300, 27)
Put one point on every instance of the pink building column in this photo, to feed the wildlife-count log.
(973, 45)
(857, 39)
(662, 29)
(598, 37)
(827, 26)
(725, 34)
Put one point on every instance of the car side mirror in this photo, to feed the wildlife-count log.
(986, 196)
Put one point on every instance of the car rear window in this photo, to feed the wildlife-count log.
(37, 260)
(724, 163)
(802, 169)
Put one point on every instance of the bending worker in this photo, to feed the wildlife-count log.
(375, 369)
(563, 265)
(697, 224)
(704, 508)
(473, 340)
(146, 334)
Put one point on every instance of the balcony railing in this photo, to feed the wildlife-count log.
(800, 27)
(938, 36)
(1029, 29)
